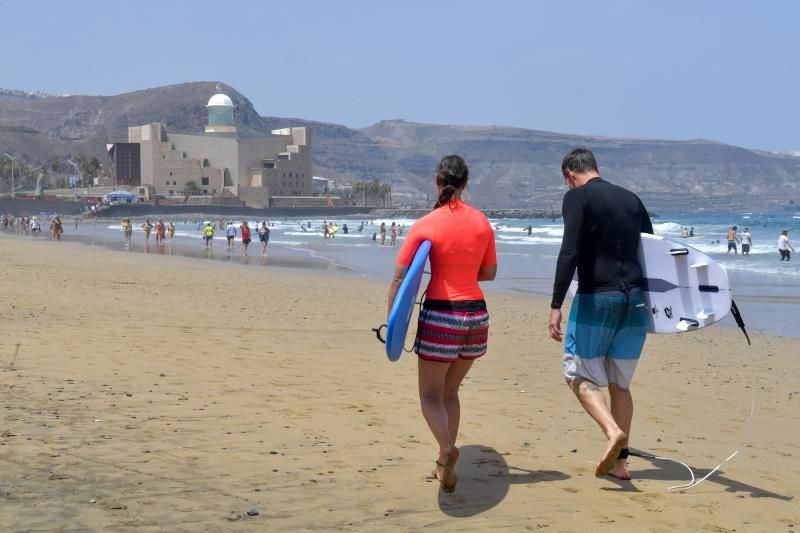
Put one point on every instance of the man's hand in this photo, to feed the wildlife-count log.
(555, 325)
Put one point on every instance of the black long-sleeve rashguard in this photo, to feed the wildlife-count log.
(602, 227)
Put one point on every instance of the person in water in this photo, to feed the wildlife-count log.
(208, 235)
(732, 240)
(785, 248)
(453, 325)
(607, 323)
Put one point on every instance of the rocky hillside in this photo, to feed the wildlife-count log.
(510, 167)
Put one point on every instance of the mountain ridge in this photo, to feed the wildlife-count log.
(510, 166)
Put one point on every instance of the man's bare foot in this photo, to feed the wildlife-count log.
(610, 457)
(620, 470)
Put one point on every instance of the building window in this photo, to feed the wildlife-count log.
(284, 174)
(205, 191)
(171, 193)
(204, 180)
(170, 173)
(174, 182)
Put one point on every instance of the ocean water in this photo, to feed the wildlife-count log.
(766, 290)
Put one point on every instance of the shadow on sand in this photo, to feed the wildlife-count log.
(673, 472)
(484, 479)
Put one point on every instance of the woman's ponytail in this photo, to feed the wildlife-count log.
(451, 174)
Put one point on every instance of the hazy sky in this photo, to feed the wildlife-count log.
(722, 70)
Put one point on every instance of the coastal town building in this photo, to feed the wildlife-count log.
(221, 163)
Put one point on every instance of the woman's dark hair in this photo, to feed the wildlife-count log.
(452, 174)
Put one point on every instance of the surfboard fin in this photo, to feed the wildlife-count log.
(705, 315)
(687, 324)
(699, 265)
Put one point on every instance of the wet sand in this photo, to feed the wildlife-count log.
(156, 393)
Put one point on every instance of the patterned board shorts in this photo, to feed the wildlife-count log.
(605, 336)
(447, 334)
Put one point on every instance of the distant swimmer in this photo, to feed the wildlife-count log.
(383, 232)
(684, 232)
(208, 235)
(529, 229)
(732, 240)
(171, 230)
(393, 234)
(784, 246)
(691, 231)
(747, 241)
(344, 229)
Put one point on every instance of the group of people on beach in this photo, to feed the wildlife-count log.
(394, 231)
(23, 224)
(245, 232)
(161, 230)
(785, 247)
(606, 328)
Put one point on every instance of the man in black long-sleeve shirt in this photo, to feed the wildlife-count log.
(607, 325)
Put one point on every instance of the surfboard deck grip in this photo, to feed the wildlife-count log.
(699, 265)
(679, 251)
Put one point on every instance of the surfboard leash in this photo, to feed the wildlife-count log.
(382, 326)
(750, 421)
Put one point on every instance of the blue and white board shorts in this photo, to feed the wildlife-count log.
(605, 336)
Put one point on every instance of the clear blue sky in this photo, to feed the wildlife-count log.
(727, 71)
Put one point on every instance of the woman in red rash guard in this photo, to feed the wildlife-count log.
(453, 325)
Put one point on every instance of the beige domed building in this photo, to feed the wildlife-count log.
(220, 163)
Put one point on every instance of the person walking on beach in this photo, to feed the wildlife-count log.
(58, 229)
(171, 230)
(147, 227)
(607, 323)
(324, 230)
(747, 241)
(208, 235)
(36, 227)
(383, 233)
(784, 246)
(245, 236)
(393, 234)
(453, 326)
(263, 236)
(230, 233)
(732, 240)
(127, 230)
(161, 230)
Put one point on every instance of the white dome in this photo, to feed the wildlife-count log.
(220, 100)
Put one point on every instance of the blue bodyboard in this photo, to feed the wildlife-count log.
(404, 301)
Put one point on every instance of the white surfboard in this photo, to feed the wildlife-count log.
(684, 288)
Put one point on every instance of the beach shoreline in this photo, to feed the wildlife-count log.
(152, 393)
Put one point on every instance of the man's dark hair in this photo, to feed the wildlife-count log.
(580, 160)
(452, 174)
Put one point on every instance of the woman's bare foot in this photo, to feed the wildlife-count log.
(620, 470)
(611, 456)
(449, 477)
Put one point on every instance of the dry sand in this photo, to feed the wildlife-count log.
(156, 393)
